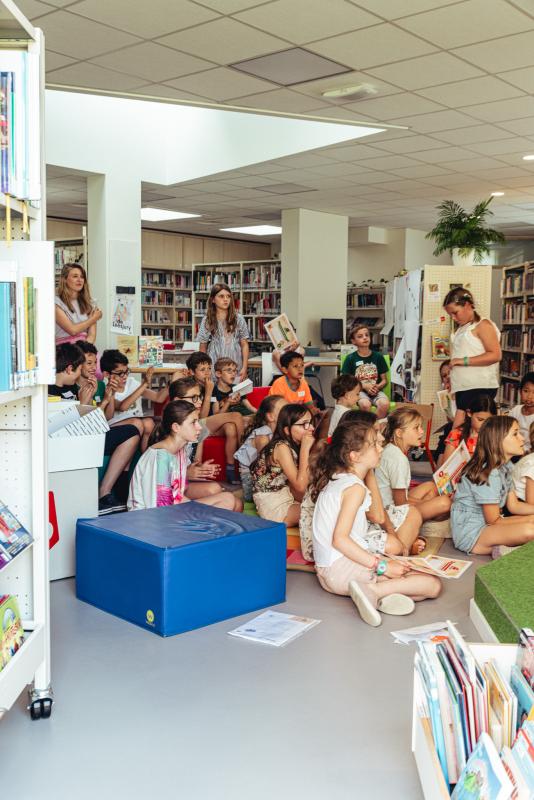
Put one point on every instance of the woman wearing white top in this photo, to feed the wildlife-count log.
(475, 352)
(76, 313)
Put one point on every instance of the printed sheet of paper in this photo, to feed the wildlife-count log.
(389, 305)
(274, 627)
(122, 317)
(413, 295)
(397, 367)
(86, 425)
(400, 306)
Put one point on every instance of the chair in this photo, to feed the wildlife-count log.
(427, 412)
(313, 373)
(266, 368)
(258, 394)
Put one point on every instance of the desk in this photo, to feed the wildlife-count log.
(166, 369)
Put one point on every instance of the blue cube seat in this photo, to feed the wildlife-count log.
(178, 568)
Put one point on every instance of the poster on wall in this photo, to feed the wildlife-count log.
(389, 304)
(413, 295)
(400, 306)
(122, 317)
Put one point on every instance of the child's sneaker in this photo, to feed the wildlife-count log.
(396, 604)
(110, 505)
(365, 607)
(501, 550)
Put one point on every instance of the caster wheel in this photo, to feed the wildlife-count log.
(41, 709)
(35, 710)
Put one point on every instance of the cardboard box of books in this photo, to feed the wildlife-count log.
(76, 436)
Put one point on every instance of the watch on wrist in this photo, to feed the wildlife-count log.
(381, 567)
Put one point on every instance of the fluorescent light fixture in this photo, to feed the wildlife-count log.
(497, 194)
(162, 214)
(256, 230)
(528, 158)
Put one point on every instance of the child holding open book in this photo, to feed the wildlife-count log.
(482, 408)
(345, 561)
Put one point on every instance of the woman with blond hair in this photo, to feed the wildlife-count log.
(76, 313)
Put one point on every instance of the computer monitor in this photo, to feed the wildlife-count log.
(331, 331)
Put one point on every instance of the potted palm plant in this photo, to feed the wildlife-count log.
(464, 233)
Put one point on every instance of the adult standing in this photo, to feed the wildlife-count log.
(475, 352)
(76, 313)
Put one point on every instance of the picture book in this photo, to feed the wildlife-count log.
(150, 351)
(515, 774)
(435, 565)
(281, 333)
(446, 403)
(484, 776)
(275, 628)
(523, 692)
(13, 536)
(11, 630)
(243, 388)
(525, 655)
(127, 345)
(448, 475)
(441, 348)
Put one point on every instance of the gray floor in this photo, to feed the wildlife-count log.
(204, 716)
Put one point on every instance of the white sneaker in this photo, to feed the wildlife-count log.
(366, 609)
(396, 604)
(501, 550)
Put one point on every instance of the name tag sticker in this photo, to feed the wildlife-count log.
(359, 363)
(301, 394)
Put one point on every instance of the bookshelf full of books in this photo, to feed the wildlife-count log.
(257, 290)
(70, 251)
(166, 304)
(26, 367)
(517, 340)
(473, 717)
(365, 306)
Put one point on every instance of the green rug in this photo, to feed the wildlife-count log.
(504, 593)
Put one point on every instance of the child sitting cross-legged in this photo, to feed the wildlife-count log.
(404, 430)
(523, 481)
(477, 525)
(229, 424)
(125, 406)
(280, 473)
(225, 398)
(370, 368)
(346, 392)
(160, 476)
(292, 384)
(524, 411)
(482, 408)
(345, 562)
(258, 433)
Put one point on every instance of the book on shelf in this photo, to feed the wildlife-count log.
(525, 659)
(127, 345)
(441, 348)
(274, 628)
(18, 342)
(484, 775)
(447, 477)
(150, 351)
(13, 536)
(11, 630)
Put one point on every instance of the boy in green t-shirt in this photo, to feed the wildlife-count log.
(371, 370)
(88, 376)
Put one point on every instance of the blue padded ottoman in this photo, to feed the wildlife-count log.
(177, 568)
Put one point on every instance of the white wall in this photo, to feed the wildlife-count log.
(378, 261)
(418, 251)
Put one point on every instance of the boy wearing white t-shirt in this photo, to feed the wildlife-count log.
(524, 412)
(126, 406)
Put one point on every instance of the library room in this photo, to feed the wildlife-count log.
(272, 258)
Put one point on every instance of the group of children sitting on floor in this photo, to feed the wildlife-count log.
(344, 478)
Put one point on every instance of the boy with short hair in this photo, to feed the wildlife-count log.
(228, 424)
(226, 399)
(125, 405)
(120, 443)
(88, 374)
(371, 370)
(292, 384)
(346, 392)
(524, 411)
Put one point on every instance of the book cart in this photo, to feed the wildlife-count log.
(423, 748)
(23, 417)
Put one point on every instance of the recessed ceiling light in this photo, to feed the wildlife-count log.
(528, 158)
(256, 230)
(161, 215)
(497, 194)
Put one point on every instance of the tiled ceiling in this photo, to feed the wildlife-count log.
(458, 73)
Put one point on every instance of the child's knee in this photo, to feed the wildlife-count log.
(434, 587)
(414, 516)
(137, 423)
(364, 405)
(445, 503)
(148, 424)
(393, 546)
(238, 504)
(528, 531)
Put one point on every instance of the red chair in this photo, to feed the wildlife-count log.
(258, 394)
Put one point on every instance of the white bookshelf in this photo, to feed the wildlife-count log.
(70, 251)
(23, 412)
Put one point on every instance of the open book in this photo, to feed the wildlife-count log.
(435, 565)
(448, 475)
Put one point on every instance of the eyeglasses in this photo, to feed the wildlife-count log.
(306, 425)
(121, 374)
(195, 398)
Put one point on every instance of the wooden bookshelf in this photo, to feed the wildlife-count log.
(365, 305)
(517, 340)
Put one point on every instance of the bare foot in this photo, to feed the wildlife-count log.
(418, 546)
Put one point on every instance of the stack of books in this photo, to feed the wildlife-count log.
(479, 710)
(18, 341)
(19, 126)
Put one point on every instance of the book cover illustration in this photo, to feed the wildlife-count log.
(122, 317)
(127, 345)
(13, 536)
(281, 333)
(441, 348)
(484, 776)
(448, 475)
(11, 630)
(151, 351)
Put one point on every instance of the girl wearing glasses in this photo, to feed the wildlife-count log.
(160, 476)
(280, 473)
(76, 313)
(346, 561)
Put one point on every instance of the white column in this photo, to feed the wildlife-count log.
(314, 270)
(114, 245)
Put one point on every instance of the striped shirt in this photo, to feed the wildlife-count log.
(222, 343)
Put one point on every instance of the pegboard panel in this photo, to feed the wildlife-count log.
(17, 232)
(16, 579)
(16, 416)
(478, 281)
(15, 474)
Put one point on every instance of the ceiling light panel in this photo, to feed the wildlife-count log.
(162, 214)
(290, 67)
(256, 230)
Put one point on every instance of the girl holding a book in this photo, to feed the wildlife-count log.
(223, 332)
(477, 524)
(482, 408)
(345, 561)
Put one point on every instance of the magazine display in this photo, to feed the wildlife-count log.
(447, 477)
(150, 351)
(11, 630)
(13, 536)
(281, 333)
